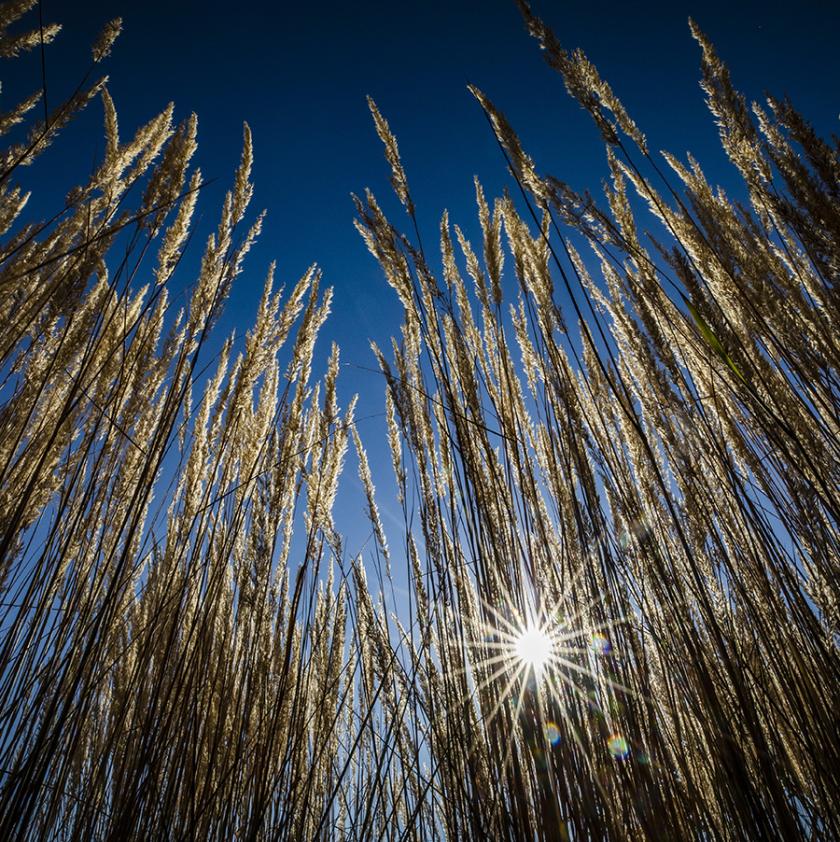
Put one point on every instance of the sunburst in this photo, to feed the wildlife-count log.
(533, 647)
(539, 663)
(553, 653)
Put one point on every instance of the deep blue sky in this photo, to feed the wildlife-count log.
(299, 75)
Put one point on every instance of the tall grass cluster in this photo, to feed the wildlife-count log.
(623, 449)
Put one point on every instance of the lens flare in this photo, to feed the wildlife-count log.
(619, 747)
(552, 733)
(600, 644)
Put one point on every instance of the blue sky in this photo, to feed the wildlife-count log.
(299, 73)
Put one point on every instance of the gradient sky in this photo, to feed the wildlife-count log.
(299, 74)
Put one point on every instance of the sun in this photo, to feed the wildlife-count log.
(533, 647)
